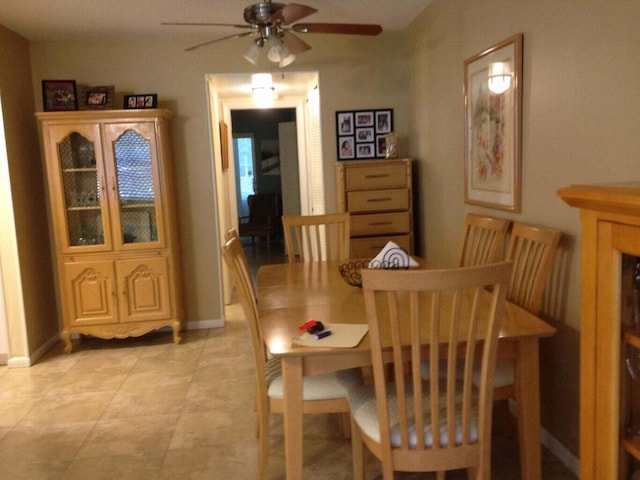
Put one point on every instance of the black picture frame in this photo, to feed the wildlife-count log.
(96, 98)
(59, 95)
(362, 133)
(141, 101)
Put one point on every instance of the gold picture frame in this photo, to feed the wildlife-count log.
(493, 126)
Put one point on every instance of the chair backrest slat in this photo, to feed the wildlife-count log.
(317, 237)
(532, 250)
(482, 240)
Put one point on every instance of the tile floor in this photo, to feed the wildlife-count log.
(144, 408)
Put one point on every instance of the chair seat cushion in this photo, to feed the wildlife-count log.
(316, 387)
(362, 402)
(502, 376)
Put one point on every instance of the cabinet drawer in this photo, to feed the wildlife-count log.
(374, 177)
(369, 247)
(378, 200)
(380, 224)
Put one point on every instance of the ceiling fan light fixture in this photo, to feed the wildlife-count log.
(288, 60)
(253, 52)
(276, 50)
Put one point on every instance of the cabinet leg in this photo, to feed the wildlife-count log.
(176, 333)
(66, 337)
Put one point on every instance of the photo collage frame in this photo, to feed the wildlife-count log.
(362, 134)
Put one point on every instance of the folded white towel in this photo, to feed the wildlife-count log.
(392, 256)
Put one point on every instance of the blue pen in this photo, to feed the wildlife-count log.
(323, 334)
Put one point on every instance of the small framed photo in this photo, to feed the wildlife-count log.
(96, 98)
(366, 150)
(362, 133)
(364, 119)
(383, 121)
(147, 100)
(347, 150)
(59, 95)
(345, 123)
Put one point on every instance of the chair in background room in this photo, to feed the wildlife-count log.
(532, 250)
(438, 317)
(482, 240)
(265, 210)
(321, 393)
(317, 237)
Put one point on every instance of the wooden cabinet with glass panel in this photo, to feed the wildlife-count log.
(113, 201)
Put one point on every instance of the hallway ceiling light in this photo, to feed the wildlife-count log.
(262, 89)
(270, 24)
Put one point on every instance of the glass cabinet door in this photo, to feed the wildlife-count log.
(136, 187)
(81, 190)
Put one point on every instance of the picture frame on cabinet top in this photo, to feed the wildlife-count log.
(59, 95)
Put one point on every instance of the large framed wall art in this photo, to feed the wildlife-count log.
(493, 126)
(362, 134)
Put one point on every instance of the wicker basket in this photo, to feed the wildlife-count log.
(350, 271)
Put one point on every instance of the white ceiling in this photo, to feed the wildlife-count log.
(46, 20)
(74, 20)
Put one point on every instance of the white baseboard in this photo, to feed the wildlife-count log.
(561, 452)
(23, 362)
(554, 445)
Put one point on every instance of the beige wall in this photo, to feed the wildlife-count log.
(26, 261)
(580, 116)
(353, 73)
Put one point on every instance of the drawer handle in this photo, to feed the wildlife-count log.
(379, 175)
(382, 199)
(377, 224)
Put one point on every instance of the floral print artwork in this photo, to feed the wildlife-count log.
(488, 137)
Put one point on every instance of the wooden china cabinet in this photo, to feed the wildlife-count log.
(112, 196)
(610, 337)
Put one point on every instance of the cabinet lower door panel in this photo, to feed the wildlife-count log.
(144, 286)
(90, 292)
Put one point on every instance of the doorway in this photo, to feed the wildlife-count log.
(296, 90)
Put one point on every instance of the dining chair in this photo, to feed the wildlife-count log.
(265, 210)
(532, 250)
(439, 316)
(317, 237)
(482, 240)
(321, 393)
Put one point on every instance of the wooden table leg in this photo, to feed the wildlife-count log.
(527, 383)
(292, 388)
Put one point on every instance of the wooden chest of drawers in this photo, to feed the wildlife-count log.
(378, 194)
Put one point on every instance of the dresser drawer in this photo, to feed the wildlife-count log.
(369, 247)
(380, 224)
(375, 177)
(378, 200)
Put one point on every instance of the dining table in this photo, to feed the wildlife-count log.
(291, 294)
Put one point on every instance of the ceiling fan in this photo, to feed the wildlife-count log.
(271, 25)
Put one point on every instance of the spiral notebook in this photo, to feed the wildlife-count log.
(343, 335)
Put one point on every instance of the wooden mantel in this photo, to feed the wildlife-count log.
(616, 197)
(610, 217)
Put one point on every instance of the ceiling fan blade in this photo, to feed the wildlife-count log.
(292, 13)
(218, 40)
(204, 24)
(294, 44)
(343, 28)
